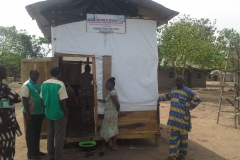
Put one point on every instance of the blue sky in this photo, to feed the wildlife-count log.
(227, 13)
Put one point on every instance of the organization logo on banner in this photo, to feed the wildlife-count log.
(102, 23)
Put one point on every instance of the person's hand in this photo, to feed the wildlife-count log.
(100, 100)
(66, 112)
(28, 118)
(158, 102)
(10, 103)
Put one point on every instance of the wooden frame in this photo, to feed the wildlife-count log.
(95, 95)
(232, 98)
(132, 125)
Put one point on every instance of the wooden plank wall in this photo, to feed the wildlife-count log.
(43, 65)
(132, 125)
(136, 122)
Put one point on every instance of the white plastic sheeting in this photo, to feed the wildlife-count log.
(134, 59)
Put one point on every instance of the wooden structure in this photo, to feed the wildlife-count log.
(139, 115)
(232, 97)
(132, 125)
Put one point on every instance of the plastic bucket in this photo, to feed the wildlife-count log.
(87, 146)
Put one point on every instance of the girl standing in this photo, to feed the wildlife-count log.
(109, 128)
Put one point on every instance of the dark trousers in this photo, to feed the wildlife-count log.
(7, 148)
(33, 131)
(87, 109)
(55, 137)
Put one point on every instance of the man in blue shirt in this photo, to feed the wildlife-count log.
(179, 122)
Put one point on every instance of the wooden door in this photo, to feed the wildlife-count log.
(43, 65)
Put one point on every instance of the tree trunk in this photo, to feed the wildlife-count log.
(183, 71)
(175, 71)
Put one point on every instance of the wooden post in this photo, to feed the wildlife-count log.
(87, 60)
(95, 95)
(235, 88)
(157, 139)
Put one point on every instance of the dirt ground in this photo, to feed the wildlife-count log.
(207, 140)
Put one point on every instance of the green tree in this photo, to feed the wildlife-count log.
(186, 42)
(225, 36)
(15, 45)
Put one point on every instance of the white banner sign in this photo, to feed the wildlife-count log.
(106, 23)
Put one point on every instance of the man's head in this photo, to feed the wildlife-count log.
(87, 68)
(34, 75)
(179, 81)
(56, 72)
(3, 72)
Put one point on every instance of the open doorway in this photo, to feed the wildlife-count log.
(77, 75)
(215, 78)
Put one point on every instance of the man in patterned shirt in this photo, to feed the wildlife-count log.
(8, 123)
(179, 122)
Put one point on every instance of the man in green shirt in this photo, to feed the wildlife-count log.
(33, 114)
(54, 94)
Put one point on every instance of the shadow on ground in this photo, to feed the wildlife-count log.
(139, 149)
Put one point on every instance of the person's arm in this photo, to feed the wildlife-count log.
(166, 97)
(26, 107)
(25, 95)
(116, 102)
(8, 120)
(43, 105)
(101, 100)
(12, 96)
(195, 100)
(114, 97)
(62, 97)
(64, 107)
(42, 101)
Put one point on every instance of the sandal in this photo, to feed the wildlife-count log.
(180, 157)
(170, 158)
(102, 148)
(114, 149)
(101, 154)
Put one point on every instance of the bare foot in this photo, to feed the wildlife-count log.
(171, 158)
(114, 148)
(102, 148)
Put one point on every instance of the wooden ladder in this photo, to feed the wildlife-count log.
(233, 98)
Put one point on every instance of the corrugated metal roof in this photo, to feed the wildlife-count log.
(146, 8)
